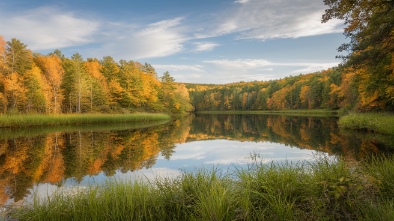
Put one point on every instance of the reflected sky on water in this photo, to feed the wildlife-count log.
(73, 158)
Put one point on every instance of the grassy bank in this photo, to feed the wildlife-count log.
(317, 112)
(373, 122)
(323, 190)
(15, 121)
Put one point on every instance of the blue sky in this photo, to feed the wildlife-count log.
(198, 41)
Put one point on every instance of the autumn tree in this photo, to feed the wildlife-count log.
(182, 100)
(109, 68)
(15, 92)
(53, 71)
(98, 87)
(2, 54)
(369, 26)
(54, 83)
(149, 69)
(3, 100)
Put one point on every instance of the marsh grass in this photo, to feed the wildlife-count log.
(322, 190)
(374, 122)
(17, 121)
(11, 133)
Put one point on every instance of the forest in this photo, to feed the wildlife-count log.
(364, 81)
(336, 88)
(53, 84)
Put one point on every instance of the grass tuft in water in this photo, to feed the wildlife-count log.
(323, 190)
(374, 122)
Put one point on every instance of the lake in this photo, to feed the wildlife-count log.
(42, 160)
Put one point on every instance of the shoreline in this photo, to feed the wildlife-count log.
(370, 122)
(22, 121)
(312, 113)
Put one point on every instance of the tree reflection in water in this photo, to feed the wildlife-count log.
(51, 155)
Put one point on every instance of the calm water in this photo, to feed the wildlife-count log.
(41, 160)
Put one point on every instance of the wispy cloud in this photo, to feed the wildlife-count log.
(240, 63)
(259, 69)
(312, 67)
(241, 1)
(159, 39)
(47, 28)
(259, 63)
(172, 68)
(204, 46)
(274, 19)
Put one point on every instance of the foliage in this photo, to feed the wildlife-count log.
(369, 26)
(53, 84)
(311, 91)
(364, 82)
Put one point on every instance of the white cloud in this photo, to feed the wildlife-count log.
(241, 1)
(182, 73)
(247, 64)
(171, 68)
(205, 46)
(227, 71)
(240, 64)
(47, 28)
(158, 39)
(312, 67)
(275, 19)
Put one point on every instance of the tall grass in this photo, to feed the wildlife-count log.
(322, 190)
(14, 121)
(374, 122)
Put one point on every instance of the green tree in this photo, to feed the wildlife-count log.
(18, 58)
(74, 85)
(35, 91)
(110, 68)
(167, 95)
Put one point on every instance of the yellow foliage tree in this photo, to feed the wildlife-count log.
(53, 72)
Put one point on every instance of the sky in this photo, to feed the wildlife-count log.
(196, 41)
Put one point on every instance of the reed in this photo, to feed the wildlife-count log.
(17, 121)
(327, 189)
(373, 122)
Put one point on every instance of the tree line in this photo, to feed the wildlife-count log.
(364, 81)
(335, 88)
(53, 84)
(34, 83)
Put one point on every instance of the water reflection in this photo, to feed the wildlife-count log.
(75, 156)
(314, 133)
